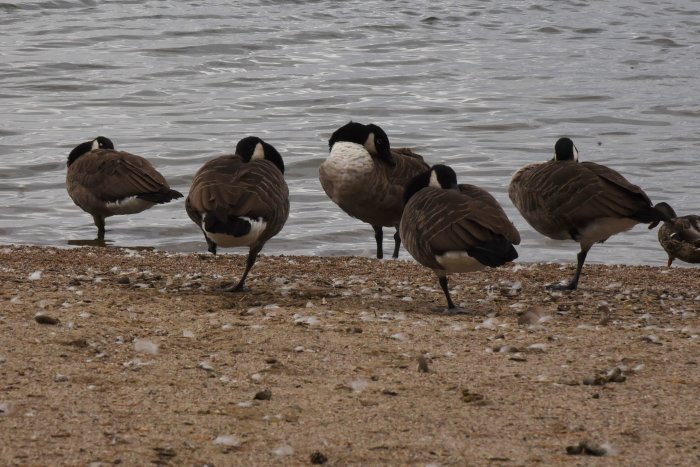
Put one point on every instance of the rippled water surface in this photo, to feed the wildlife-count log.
(484, 86)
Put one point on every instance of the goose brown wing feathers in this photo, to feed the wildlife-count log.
(227, 186)
(451, 220)
(558, 196)
(112, 175)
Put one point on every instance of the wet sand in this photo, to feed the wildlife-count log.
(113, 356)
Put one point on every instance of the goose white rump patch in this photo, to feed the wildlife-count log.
(130, 205)
(227, 241)
(604, 228)
(458, 261)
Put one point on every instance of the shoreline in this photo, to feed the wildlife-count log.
(147, 362)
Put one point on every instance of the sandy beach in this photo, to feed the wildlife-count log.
(111, 356)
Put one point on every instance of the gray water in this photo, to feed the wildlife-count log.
(483, 86)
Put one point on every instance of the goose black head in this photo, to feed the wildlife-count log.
(564, 150)
(439, 176)
(371, 136)
(252, 148)
(101, 142)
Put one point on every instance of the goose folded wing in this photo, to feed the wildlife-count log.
(122, 176)
(458, 222)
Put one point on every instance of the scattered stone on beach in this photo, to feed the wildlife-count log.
(652, 339)
(472, 397)
(532, 317)
(423, 364)
(283, 450)
(228, 440)
(318, 458)
(46, 319)
(145, 346)
(615, 375)
(264, 395)
(586, 448)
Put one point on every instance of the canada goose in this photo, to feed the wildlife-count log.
(565, 199)
(366, 178)
(240, 199)
(455, 228)
(105, 182)
(680, 236)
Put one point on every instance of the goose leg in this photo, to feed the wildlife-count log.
(240, 287)
(397, 243)
(211, 246)
(581, 258)
(379, 236)
(443, 284)
(100, 223)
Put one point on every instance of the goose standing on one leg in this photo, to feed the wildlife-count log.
(454, 228)
(366, 178)
(240, 199)
(104, 182)
(565, 199)
(680, 236)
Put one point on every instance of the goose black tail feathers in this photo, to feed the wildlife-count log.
(160, 197)
(493, 253)
(232, 225)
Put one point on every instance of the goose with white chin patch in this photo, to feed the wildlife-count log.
(104, 182)
(565, 199)
(454, 228)
(365, 177)
(240, 200)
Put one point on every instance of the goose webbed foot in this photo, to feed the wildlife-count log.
(455, 310)
(234, 288)
(573, 284)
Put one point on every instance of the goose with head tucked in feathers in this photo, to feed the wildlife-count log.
(366, 178)
(565, 199)
(680, 236)
(240, 200)
(453, 228)
(104, 182)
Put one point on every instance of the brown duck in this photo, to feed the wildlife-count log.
(104, 182)
(453, 228)
(565, 199)
(680, 236)
(366, 178)
(240, 200)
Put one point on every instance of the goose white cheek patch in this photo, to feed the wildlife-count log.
(259, 152)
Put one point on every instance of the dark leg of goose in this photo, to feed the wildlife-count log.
(581, 257)
(240, 287)
(397, 243)
(211, 246)
(379, 236)
(100, 223)
(451, 308)
(443, 284)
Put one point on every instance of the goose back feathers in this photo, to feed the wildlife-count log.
(453, 228)
(105, 182)
(366, 178)
(240, 199)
